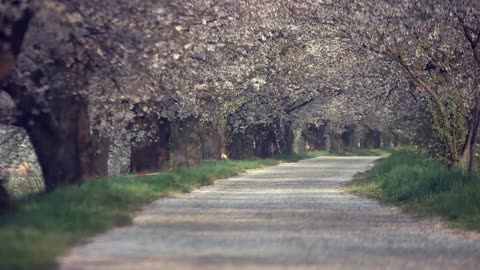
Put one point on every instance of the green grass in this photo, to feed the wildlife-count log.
(350, 153)
(423, 186)
(368, 152)
(303, 155)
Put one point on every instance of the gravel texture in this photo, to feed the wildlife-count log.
(291, 216)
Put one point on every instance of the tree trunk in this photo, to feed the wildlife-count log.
(463, 162)
(101, 145)
(472, 157)
(62, 141)
(372, 140)
(466, 162)
(346, 137)
(153, 152)
(12, 33)
(336, 143)
(473, 141)
(377, 139)
(186, 143)
(299, 143)
(465, 158)
(350, 139)
(284, 137)
(263, 141)
(4, 196)
(212, 138)
(398, 140)
(388, 140)
(241, 145)
(316, 137)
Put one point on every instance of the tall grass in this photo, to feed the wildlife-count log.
(424, 186)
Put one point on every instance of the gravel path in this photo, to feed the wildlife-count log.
(291, 216)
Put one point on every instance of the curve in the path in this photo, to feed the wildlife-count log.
(291, 216)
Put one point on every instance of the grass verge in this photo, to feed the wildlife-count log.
(368, 152)
(350, 153)
(422, 186)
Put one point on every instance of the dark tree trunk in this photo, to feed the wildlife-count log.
(336, 143)
(241, 145)
(284, 138)
(4, 196)
(388, 140)
(349, 139)
(153, 152)
(101, 146)
(62, 141)
(186, 143)
(315, 137)
(212, 138)
(264, 141)
(345, 137)
(372, 139)
(473, 141)
(473, 152)
(289, 139)
(397, 140)
(12, 33)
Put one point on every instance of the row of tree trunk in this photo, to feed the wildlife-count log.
(322, 138)
(68, 152)
(264, 141)
(178, 144)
